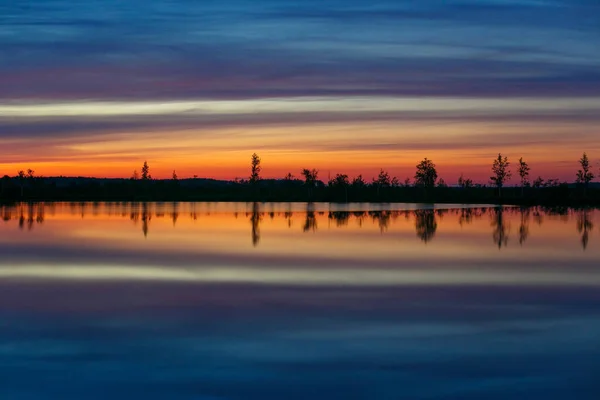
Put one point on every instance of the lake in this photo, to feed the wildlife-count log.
(298, 301)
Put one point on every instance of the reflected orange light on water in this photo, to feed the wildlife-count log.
(298, 243)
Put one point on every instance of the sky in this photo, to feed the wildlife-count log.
(96, 88)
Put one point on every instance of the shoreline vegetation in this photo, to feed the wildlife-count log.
(424, 188)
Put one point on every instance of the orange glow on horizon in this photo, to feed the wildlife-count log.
(362, 148)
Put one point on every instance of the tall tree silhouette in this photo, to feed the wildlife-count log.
(146, 172)
(310, 179)
(255, 168)
(21, 177)
(500, 169)
(426, 174)
(584, 175)
(523, 174)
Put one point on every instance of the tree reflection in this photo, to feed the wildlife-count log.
(466, 216)
(175, 213)
(382, 218)
(524, 226)
(425, 224)
(310, 223)
(146, 217)
(500, 233)
(584, 226)
(341, 218)
(255, 219)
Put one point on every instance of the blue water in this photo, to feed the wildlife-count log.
(319, 332)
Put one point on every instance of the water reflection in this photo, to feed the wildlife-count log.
(500, 228)
(584, 226)
(425, 224)
(296, 301)
(425, 221)
(524, 225)
(255, 219)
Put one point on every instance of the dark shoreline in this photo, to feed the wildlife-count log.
(63, 189)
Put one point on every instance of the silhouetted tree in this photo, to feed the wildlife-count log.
(584, 175)
(425, 224)
(407, 182)
(442, 183)
(340, 181)
(146, 172)
(538, 182)
(426, 174)
(523, 174)
(465, 183)
(174, 176)
(255, 169)
(395, 182)
(135, 176)
(289, 177)
(21, 177)
(382, 180)
(358, 182)
(501, 172)
(310, 179)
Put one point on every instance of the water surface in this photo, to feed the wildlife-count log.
(296, 301)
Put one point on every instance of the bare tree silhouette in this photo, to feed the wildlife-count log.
(584, 175)
(523, 174)
(500, 169)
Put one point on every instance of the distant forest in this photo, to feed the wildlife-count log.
(308, 187)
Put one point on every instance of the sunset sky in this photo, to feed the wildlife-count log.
(95, 88)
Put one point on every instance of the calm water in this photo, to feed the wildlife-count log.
(297, 301)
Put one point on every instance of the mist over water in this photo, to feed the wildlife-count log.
(295, 301)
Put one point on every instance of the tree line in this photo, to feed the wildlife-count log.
(424, 186)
